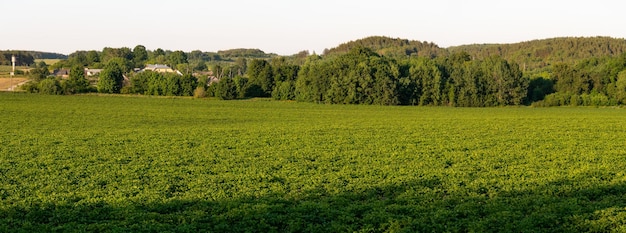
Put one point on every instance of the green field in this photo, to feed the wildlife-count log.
(113, 163)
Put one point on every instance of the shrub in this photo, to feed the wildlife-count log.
(199, 92)
(50, 86)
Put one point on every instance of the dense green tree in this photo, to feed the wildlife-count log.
(242, 65)
(78, 58)
(92, 57)
(284, 90)
(241, 83)
(283, 71)
(176, 57)
(110, 53)
(111, 77)
(226, 89)
(505, 82)
(23, 58)
(538, 88)
(244, 53)
(260, 76)
(140, 55)
(188, 84)
(50, 86)
(158, 52)
(391, 47)
(570, 80)
(76, 83)
(357, 77)
(535, 55)
(40, 72)
(313, 79)
(620, 92)
(200, 66)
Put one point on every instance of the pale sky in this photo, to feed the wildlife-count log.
(286, 27)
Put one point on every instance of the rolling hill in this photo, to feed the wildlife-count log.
(532, 56)
(538, 54)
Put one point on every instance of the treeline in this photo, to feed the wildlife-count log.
(536, 55)
(423, 74)
(26, 58)
(362, 76)
(139, 56)
(23, 58)
(590, 82)
(391, 47)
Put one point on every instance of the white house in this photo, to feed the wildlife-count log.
(161, 69)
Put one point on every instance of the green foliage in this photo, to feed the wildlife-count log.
(128, 164)
(382, 70)
(226, 89)
(200, 92)
(391, 47)
(112, 77)
(358, 77)
(119, 54)
(364, 77)
(76, 83)
(260, 75)
(177, 57)
(620, 91)
(50, 86)
(244, 53)
(536, 55)
(40, 72)
(284, 90)
(165, 84)
(538, 88)
(140, 55)
(26, 58)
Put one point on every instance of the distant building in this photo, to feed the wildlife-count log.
(63, 73)
(92, 72)
(161, 69)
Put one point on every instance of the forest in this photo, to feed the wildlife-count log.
(375, 70)
(26, 58)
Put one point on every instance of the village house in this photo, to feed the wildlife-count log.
(63, 73)
(161, 69)
(92, 72)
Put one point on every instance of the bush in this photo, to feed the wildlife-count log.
(30, 87)
(126, 90)
(199, 92)
(50, 86)
(225, 89)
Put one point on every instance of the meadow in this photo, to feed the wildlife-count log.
(89, 163)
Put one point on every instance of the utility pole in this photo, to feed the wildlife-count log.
(12, 73)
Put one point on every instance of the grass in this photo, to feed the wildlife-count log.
(113, 163)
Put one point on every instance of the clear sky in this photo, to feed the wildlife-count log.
(289, 26)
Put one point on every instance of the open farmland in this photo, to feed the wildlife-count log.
(7, 83)
(113, 163)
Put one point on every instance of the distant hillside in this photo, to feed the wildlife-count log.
(393, 47)
(47, 55)
(37, 54)
(25, 58)
(538, 54)
(245, 53)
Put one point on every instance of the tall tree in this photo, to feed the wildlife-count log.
(260, 76)
(176, 57)
(111, 77)
(140, 55)
(76, 83)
